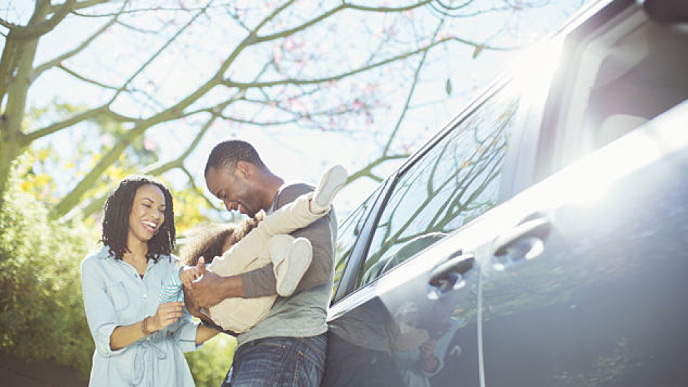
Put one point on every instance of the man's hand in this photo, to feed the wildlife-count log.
(191, 304)
(210, 289)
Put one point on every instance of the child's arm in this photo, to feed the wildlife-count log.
(172, 291)
(187, 274)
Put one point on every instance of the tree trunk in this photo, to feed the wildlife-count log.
(17, 58)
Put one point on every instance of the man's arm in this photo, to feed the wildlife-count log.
(210, 289)
(195, 310)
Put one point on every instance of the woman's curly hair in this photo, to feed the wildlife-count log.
(116, 219)
(208, 240)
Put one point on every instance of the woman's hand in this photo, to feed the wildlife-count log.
(166, 315)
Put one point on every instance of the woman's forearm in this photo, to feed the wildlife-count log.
(125, 335)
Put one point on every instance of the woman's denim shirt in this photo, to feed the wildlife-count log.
(115, 295)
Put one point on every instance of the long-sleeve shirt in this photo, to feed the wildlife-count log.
(115, 295)
(173, 289)
(304, 313)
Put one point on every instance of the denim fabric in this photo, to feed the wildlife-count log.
(279, 361)
(115, 295)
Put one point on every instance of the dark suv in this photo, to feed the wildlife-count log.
(541, 238)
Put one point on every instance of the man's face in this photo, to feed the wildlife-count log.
(234, 189)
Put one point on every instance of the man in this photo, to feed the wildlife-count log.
(288, 347)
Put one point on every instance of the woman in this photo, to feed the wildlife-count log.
(138, 342)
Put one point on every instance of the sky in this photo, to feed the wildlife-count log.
(294, 153)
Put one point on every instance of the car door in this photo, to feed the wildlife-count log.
(588, 286)
(405, 304)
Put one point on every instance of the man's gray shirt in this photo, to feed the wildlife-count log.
(304, 313)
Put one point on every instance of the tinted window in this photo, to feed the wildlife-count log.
(453, 183)
(347, 233)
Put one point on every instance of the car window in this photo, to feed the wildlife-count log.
(454, 182)
(623, 76)
(347, 233)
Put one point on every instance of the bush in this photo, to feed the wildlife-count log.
(42, 316)
(41, 307)
(210, 365)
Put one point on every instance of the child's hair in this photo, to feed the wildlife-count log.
(208, 240)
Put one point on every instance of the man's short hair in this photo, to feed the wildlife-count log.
(228, 153)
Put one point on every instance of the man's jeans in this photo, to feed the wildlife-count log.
(279, 361)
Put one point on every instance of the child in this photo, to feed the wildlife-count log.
(267, 242)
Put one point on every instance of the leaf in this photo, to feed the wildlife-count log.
(448, 86)
(478, 49)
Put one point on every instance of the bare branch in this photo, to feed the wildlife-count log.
(151, 9)
(56, 61)
(78, 5)
(411, 91)
(42, 28)
(157, 53)
(36, 134)
(197, 190)
(87, 80)
(68, 202)
(332, 12)
(367, 171)
(7, 24)
(95, 204)
(294, 81)
(137, 29)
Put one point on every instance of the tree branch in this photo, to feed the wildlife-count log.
(197, 190)
(157, 53)
(334, 11)
(294, 81)
(87, 80)
(412, 90)
(93, 205)
(7, 24)
(80, 5)
(367, 171)
(34, 31)
(36, 134)
(58, 60)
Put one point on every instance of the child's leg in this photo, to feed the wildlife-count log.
(289, 218)
(330, 182)
(290, 257)
(241, 314)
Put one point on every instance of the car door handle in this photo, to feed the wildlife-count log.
(448, 276)
(533, 231)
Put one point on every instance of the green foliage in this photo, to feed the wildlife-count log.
(41, 308)
(210, 365)
(42, 316)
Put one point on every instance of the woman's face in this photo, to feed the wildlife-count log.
(147, 213)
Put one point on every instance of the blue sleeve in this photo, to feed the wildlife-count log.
(173, 289)
(100, 311)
